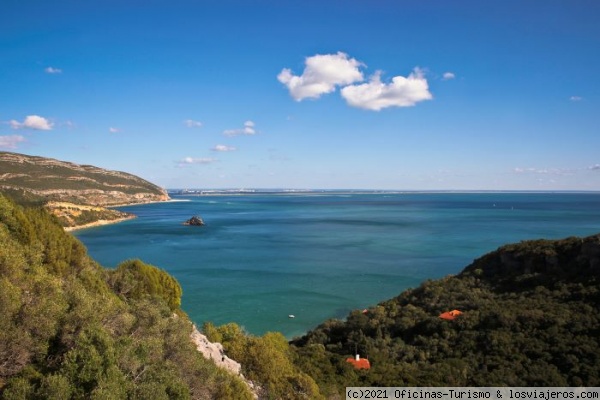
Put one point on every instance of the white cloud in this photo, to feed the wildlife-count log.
(575, 98)
(51, 70)
(223, 148)
(192, 160)
(32, 122)
(190, 123)
(448, 75)
(114, 130)
(401, 92)
(10, 141)
(248, 129)
(322, 73)
(595, 167)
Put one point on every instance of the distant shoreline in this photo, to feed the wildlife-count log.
(99, 223)
(251, 192)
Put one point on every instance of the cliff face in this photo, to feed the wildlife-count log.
(48, 179)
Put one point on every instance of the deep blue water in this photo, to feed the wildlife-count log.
(261, 257)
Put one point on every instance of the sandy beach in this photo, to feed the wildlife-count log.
(98, 223)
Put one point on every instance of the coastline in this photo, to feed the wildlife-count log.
(100, 222)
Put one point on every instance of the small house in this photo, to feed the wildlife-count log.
(359, 363)
(450, 315)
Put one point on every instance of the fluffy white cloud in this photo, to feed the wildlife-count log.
(51, 70)
(190, 123)
(322, 73)
(114, 130)
(448, 75)
(10, 141)
(248, 129)
(192, 160)
(401, 92)
(223, 148)
(32, 122)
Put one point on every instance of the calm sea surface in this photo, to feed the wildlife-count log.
(262, 257)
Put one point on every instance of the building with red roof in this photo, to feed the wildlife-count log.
(450, 315)
(359, 363)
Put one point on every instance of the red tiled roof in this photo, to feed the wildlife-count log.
(450, 315)
(361, 363)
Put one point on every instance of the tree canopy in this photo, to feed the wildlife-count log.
(70, 329)
(530, 317)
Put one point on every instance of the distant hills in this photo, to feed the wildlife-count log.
(77, 194)
(55, 180)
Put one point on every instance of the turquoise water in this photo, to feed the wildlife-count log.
(261, 257)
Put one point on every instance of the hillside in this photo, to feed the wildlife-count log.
(65, 187)
(56, 180)
(530, 317)
(72, 329)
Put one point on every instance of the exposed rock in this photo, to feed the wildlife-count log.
(214, 351)
(194, 221)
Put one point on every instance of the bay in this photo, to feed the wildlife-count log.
(317, 255)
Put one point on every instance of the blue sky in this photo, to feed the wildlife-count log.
(428, 95)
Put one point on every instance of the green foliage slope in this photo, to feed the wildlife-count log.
(266, 360)
(70, 329)
(531, 317)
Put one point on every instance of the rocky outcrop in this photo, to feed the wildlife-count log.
(214, 351)
(60, 181)
(194, 221)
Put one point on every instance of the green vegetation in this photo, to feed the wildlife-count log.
(266, 360)
(70, 329)
(135, 280)
(531, 317)
(22, 196)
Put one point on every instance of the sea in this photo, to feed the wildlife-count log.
(286, 261)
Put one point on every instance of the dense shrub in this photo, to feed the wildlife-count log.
(531, 317)
(266, 360)
(66, 334)
(134, 279)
